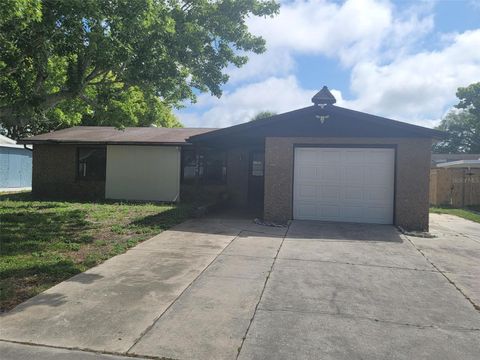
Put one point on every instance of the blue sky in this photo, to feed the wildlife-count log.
(399, 59)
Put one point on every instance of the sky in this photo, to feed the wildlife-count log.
(399, 59)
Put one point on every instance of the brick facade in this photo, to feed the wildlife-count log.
(54, 175)
(411, 176)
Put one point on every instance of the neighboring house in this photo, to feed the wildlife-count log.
(455, 180)
(320, 162)
(443, 158)
(15, 165)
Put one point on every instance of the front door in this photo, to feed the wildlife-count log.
(256, 181)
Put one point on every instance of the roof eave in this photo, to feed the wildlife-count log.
(427, 132)
(244, 126)
(77, 142)
(415, 129)
(460, 164)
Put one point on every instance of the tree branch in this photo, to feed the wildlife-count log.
(48, 102)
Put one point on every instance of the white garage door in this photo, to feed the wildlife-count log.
(344, 184)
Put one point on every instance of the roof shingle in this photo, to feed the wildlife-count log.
(111, 135)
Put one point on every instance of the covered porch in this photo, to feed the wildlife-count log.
(228, 172)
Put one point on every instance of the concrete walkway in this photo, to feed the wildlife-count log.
(110, 307)
(228, 289)
(455, 252)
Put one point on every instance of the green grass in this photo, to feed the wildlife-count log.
(471, 213)
(45, 242)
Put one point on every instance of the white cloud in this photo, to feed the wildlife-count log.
(274, 62)
(356, 29)
(391, 75)
(419, 87)
(273, 94)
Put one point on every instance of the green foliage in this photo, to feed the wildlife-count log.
(470, 99)
(467, 213)
(116, 62)
(263, 115)
(463, 133)
(462, 126)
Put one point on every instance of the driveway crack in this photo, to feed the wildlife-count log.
(183, 291)
(86, 350)
(358, 264)
(351, 316)
(475, 306)
(262, 292)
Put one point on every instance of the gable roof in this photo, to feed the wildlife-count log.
(332, 113)
(110, 135)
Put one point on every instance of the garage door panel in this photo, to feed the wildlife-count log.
(307, 172)
(353, 213)
(353, 157)
(329, 212)
(330, 175)
(353, 193)
(380, 156)
(353, 174)
(307, 155)
(381, 214)
(344, 184)
(307, 192)
(378, 194)
(307, 211)
(329, 156)
(378, 175)
(329, 192)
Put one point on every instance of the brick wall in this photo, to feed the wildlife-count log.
(411, 182)
(54, 175)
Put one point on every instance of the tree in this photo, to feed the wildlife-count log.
(462, 126)
(116, 62)
(263, 115)
(470, 99)
(462, 133)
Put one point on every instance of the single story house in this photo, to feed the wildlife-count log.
(321, 162)
(15, 165)
(444, 158)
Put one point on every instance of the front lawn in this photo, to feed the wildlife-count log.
(45, 242)
(472, 213)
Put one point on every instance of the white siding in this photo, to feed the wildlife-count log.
(143, 173)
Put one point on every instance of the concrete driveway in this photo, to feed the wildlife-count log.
(228, 289)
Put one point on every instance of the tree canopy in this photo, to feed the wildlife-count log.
(116, 62)
(462, 126)
(263, 115)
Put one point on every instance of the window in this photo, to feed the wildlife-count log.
(215, 167)
(189, 166)
(257, 163)
(209, 165)
(91, 163)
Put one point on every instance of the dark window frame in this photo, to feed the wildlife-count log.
(80, 177)
(203, 167)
